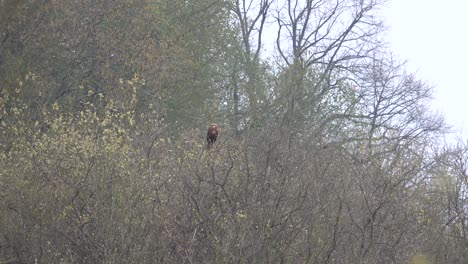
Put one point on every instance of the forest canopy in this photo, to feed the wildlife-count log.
(328, 150)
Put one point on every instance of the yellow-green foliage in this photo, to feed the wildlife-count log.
(69, 180)
(100, 186)
(419, 259)
(109, 185)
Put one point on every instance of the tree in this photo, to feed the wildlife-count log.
(336, 158)
(249, 18)
(322, 41)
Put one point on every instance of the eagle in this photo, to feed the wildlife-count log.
(212, 134)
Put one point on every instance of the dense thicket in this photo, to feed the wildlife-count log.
(328, 151)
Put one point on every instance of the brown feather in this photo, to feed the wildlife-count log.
(212, 134)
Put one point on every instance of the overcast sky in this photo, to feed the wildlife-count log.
(433, 36)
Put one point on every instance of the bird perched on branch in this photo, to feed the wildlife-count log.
(212, 134)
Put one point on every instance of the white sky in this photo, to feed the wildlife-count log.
(433, 36)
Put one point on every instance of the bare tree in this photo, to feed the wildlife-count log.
(250, 17)
(393, 104)
(325, 39)
(453, 180)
